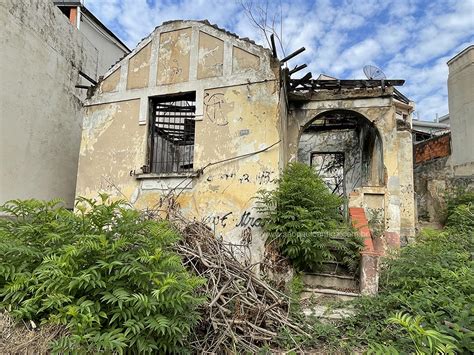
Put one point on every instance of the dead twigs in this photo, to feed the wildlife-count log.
(243, 312)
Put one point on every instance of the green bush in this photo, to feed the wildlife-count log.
(432, 278)
(303, 218)
(105, 272)
(457, 197)
(424, 340)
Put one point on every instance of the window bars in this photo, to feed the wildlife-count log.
(172, 128)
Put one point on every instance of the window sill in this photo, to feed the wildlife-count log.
(167, 182)
(166, 175)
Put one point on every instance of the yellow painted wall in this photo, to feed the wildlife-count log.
(235, 116)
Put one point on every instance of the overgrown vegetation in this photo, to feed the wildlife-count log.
(105, 273)
(426, 298)
(456, 197)
(302, 217)
(424, 340)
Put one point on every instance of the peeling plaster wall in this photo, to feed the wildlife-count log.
(236, 114)
(396, 190)
(433, 180)
(139, 69)
(211, 56)
(40, 109)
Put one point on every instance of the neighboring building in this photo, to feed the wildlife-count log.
(43, 60)
(461, 110)
(110, 47)
(199, 119)
(423, 130)
(444, 119)
(445, 161)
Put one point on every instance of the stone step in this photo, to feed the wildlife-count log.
(327, 294)
(327, 280)
(332, 267)
(328, 313)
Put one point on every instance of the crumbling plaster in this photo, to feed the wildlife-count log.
(241, 109)
(380, 108)
(343, 141)
(237, 113)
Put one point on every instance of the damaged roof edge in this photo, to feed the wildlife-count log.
(145, 40)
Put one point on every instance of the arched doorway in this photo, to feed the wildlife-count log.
(345, 149)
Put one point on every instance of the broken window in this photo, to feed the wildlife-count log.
(172, 128)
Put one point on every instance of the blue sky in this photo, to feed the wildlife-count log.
(408, 39)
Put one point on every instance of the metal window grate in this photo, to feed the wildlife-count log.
(172, 133)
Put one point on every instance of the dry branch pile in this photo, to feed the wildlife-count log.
(243, 312)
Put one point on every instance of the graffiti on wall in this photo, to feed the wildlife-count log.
(245, 220)
(213, 104)
(262, 178)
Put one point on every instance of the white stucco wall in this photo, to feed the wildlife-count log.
(461, 107)
(40, 109)
(109, 52)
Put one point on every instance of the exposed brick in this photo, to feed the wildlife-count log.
(359, 222)
(433, 148)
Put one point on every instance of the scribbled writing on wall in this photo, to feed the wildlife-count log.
(262, 178)
(245, 220)
(217, 219)
(214, 108)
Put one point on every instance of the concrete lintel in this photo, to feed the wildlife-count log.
(348, 104)
(199, 86)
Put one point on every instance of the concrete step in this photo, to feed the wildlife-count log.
(323, 295)
(328, 313)
(332, 267)
(320, 303)
(328, 280)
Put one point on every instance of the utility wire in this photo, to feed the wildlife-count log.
(201, 170)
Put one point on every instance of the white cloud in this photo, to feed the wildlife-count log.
(410, 39)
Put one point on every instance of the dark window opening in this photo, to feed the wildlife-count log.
(172, 128)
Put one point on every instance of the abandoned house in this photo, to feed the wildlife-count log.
(198, 113)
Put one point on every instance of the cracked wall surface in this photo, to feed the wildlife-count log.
(393, 195)
(237, 116)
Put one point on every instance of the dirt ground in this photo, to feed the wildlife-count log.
(25, 338)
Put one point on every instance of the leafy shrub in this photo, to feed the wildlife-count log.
(424, 340)
(457, 197)
(302, 217)
(432, 278)
(104, 272)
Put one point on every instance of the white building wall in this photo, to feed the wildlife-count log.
(40, 108)
(461, 110)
